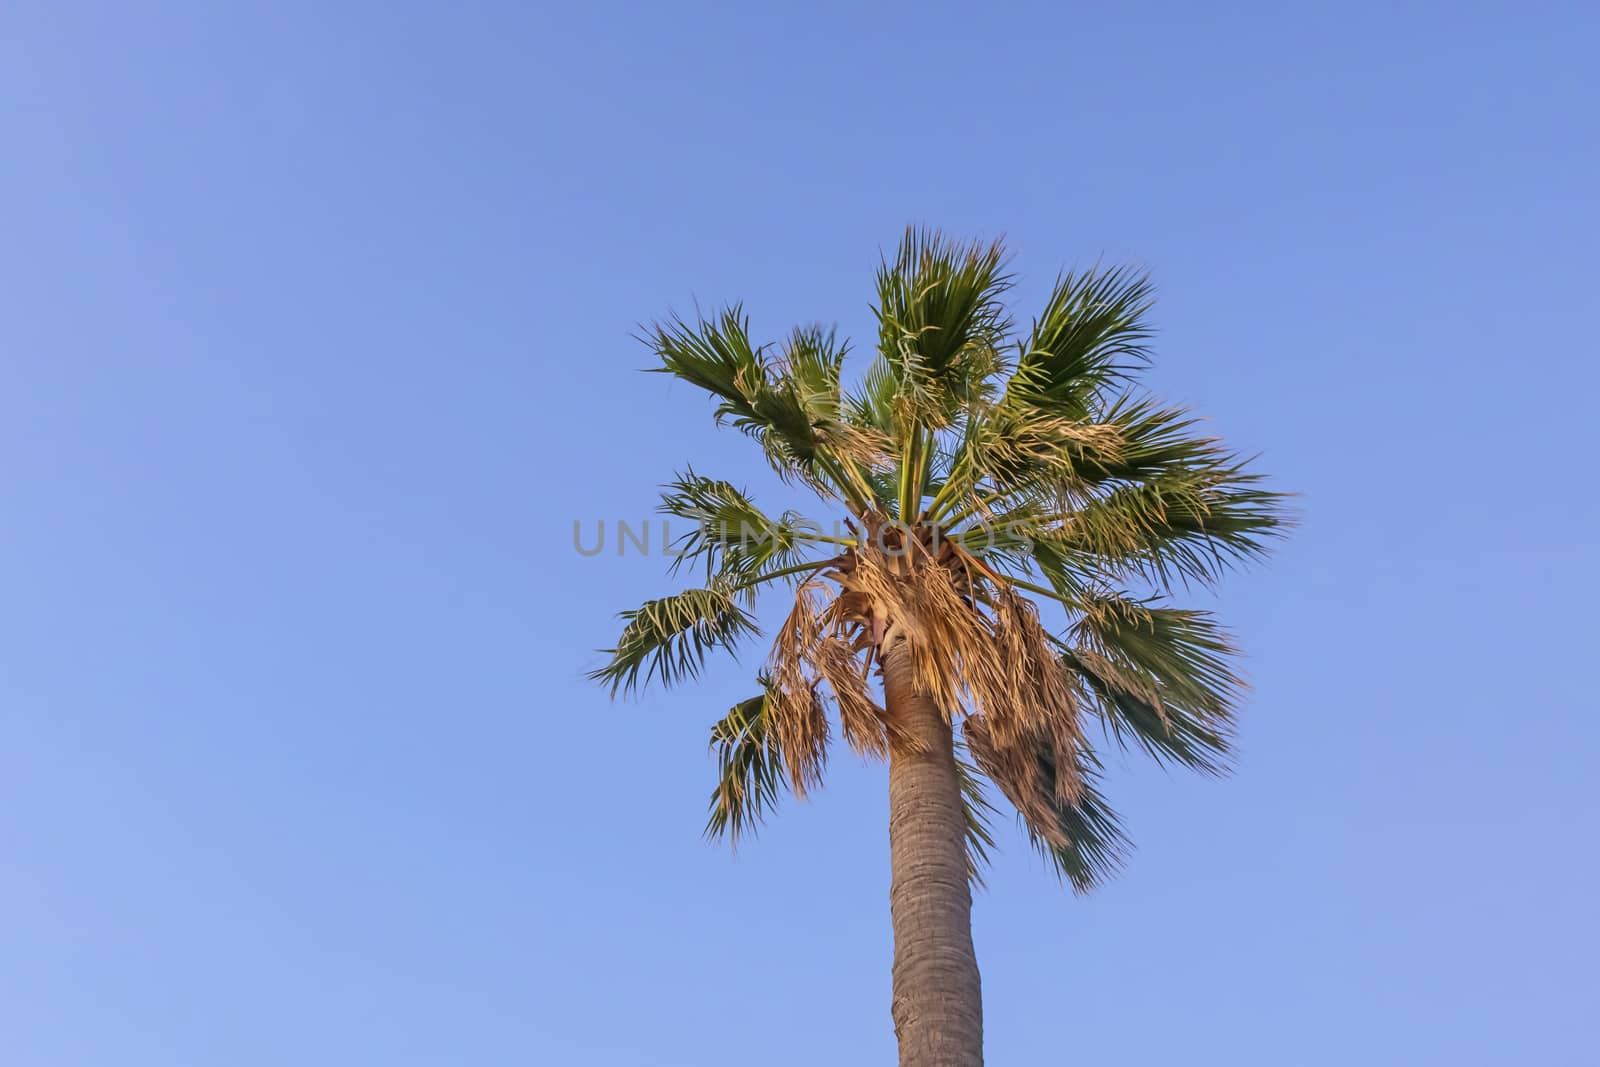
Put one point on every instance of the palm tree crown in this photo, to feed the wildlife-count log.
(983, 470)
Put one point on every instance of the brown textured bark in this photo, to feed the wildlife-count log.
(938, 1005)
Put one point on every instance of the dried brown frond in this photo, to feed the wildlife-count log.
(972, 645)
(838, 664)
(1026, 707)
(1017, 771)
(1041, 681)
(999, 664)
(799, 718)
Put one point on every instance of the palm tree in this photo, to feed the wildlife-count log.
(978, 470)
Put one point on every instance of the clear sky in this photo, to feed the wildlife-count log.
(315, 339)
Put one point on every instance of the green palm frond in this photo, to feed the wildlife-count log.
(1160, 677)
(715, 354)
(750, 768)
(735, 539)
(1014, 455)
(873, 402)
(795, 405)
(1092, 335)
(790, 404)
(1067, 572)
(1181, 525)
(1138, 494)
(1155, 439)
(670, 638)
(814, 358)
(941, 320)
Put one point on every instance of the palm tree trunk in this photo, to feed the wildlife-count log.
(938, 1007)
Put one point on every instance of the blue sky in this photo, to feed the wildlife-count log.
(314, 341)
